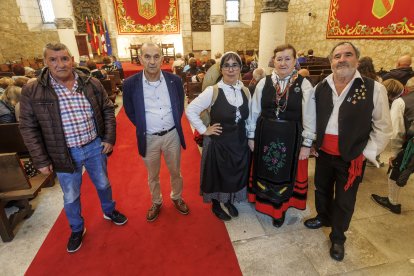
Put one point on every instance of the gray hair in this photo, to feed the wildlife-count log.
(56, 47)
(151, 44)
(357, 53)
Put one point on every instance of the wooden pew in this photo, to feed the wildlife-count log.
(193, 90)
(14, 185)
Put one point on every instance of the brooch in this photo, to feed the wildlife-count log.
(360, 94)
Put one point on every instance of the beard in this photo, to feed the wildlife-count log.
(344, 70)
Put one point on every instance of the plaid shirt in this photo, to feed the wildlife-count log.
(76, 113)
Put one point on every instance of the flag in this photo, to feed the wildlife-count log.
(107, 40)
(102, 38)
(90, 37)
(95, 38)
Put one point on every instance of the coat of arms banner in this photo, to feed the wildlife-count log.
(371, 19)
(147, 16)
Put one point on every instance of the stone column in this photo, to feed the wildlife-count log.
(64, 25)
(272, 28)
(217, 27)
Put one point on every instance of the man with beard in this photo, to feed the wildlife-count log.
(352, 124)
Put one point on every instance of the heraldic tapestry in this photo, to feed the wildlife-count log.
(371, 19)
(147, 16)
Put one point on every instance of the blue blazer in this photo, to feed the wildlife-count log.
(133, 97)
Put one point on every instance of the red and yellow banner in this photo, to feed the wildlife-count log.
(371, 19)
(147, 16)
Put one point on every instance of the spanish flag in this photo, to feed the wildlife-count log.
(95, 38)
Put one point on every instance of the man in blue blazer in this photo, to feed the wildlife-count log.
(154, 102)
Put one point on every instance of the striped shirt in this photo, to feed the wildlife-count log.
(76, 113)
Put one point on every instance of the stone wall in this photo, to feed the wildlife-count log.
(305, 32)
(239, 36)
(17, 41)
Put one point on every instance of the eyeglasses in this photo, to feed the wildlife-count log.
(234, 66)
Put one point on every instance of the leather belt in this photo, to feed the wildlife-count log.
(162, 133)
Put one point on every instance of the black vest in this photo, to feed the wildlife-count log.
(354, 118)
(293, 110)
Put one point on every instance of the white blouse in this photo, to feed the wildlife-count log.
(308, 108)
(203, 101)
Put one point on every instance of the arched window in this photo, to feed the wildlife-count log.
(232, 10)
(46, 9)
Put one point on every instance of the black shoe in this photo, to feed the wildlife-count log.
(232, 209)
(116, 217)
(220, 213)
(75, 241)
(337, 252)
(315, 223)
(385, 202)
(279, 222)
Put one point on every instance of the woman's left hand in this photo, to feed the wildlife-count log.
(304, 153)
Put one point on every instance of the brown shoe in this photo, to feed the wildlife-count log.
(153, 212)
(181, 206)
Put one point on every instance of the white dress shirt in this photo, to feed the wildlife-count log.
(203, 101)
(398, 126)
(308, 107)
(158, 111)
(381, 121)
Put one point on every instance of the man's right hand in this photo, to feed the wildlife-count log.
(215, 129)
(390, 160)
(47, 170)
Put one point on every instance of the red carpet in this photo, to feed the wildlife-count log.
(197, 244)
(133, 68)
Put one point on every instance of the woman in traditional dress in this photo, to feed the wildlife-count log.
(283, 126)
(225, 157)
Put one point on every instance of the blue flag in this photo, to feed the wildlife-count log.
(107, 41)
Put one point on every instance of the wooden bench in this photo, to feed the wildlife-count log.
(16, 186)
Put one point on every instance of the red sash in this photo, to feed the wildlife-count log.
(330, 145)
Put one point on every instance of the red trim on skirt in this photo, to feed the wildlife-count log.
(300, 187)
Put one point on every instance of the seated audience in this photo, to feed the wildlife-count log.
(108, 66)
(258, 74)
(29, 72)
(4, 83)
(366, 68)
(117, 63)
(18, 71)
(310, 57)
(403, 70)
(193, 69)
(199, 77)
(83, 60)
(178, 62)
(21, 81)
(301, 57)
(208, 64)
(8, 102)
(95, 72)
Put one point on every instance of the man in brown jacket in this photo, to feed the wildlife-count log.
(67, 123)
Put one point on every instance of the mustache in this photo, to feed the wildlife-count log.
(342, 65)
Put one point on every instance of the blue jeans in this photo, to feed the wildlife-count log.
(94, 161)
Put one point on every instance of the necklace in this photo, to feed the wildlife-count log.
(282, 96)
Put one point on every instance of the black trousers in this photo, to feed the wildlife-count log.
(334, 205)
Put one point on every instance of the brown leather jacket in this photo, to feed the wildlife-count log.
(41, 123)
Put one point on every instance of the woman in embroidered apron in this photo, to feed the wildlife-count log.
(283, 109)
(225, 157)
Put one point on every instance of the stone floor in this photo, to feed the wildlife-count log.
(379, 242)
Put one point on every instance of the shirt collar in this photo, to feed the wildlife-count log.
(162, 79)
(238, 85)
(54, 82)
